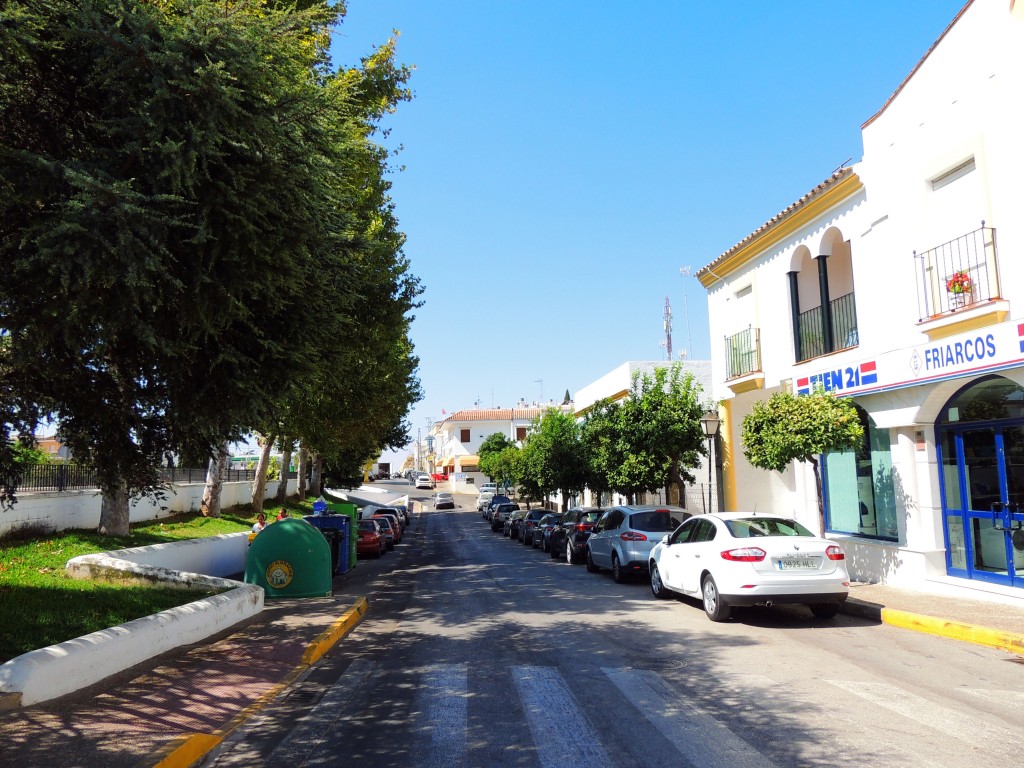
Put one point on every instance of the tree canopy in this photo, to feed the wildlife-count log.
(194, 223)
(788, 427)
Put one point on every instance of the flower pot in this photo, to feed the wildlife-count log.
(958, 301)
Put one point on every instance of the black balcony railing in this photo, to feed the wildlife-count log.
(955, 275)
(743, 353)
(74, 477)
(811, 328)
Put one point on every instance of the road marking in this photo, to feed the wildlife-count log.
(443, 700)
(323, 719)
(977, 733)
(697, 736)
(545, 698)
(1011, 699)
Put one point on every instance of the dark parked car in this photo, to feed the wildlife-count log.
(498, 498)
(528, 524)
(501, 513)
(542, 533)
(569, 539)
(511, 525)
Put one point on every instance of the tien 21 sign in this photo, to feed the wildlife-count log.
(991, 349)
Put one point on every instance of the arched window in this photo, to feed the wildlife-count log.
(985, 400)
(860, 497)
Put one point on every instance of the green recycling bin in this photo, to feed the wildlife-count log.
(345, 508)
(290, 558)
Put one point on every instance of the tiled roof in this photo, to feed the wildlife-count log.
(497, 414)
(831, 181)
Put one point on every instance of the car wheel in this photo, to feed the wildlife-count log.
(617, 572)
(591, 565)
(714, 606)
(824, 610)
(658, 587)
(570, 553)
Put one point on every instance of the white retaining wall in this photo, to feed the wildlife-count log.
(61, 669)
(81, 509)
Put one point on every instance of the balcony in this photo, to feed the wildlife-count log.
(958, 275)
(743, 360)
(818, 335)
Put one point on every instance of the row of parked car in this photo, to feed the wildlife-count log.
(380, 529)
(726, 559)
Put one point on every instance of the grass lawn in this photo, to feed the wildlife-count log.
(40, 605)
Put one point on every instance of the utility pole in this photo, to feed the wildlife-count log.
(685, 272)
(668, 330)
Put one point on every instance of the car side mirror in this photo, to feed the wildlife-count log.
(664, 539)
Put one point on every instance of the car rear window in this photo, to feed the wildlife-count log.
(590, 517)
(654, 522)
(750, 527)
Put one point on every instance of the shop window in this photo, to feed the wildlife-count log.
(860, 496)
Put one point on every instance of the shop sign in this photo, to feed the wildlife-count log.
(968, 354)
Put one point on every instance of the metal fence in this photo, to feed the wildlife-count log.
(74, 477)
(957, 274)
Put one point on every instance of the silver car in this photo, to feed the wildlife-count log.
(623, 538)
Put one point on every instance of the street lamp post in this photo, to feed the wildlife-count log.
(709, 423)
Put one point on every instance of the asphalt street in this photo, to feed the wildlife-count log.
(480, 651)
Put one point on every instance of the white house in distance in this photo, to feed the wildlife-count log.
(899, 283)
(456, 439)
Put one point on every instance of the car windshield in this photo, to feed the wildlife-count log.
(659, 521)
(749, 527)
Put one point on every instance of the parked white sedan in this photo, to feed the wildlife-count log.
(737, 559)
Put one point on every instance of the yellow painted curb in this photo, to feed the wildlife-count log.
(187, 750)
(968, 633)
(335, 632)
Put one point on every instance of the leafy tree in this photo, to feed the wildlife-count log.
(190, 211)
(660, 424)
(499, 459)
(552, 455)
(603, 450)
(788, 427)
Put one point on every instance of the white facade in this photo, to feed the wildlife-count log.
(853, 288)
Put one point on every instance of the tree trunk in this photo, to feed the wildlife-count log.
(286, 462)
(259, 485)
(316, 478)
(114, 516)
(303, 470)
(821, 502)
(214, 483)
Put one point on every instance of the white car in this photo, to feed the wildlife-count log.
(483, 500)
(738, 559)
(489, 488)
(424, 481)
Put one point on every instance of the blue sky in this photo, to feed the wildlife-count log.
(563, 160)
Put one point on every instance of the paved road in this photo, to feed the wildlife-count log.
(479, 651)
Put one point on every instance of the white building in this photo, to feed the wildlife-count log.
(854, 287)
(456, 439)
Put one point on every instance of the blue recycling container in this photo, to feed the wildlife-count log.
(337, 530)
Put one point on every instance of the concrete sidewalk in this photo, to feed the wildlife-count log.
(964, 618)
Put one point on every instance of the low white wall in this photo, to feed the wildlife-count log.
(61, 669)
(81, 509)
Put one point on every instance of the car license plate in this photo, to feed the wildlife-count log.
(797, 564)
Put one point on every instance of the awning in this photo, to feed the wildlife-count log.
(447, 462)
(469, 461)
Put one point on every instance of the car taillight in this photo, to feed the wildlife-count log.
(744, 555)
(835, 553)
(583, 527)
(632, 536)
